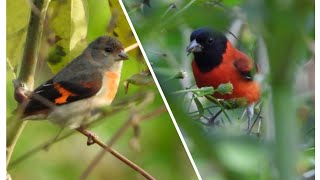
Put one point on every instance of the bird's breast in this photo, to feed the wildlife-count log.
(109, 88)
(224, 73)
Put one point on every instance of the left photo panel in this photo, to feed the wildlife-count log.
(81, 102)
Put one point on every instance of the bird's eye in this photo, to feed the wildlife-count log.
(108, 49)
(210, 41)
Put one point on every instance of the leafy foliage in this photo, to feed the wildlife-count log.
(69, 27)
(220, 148)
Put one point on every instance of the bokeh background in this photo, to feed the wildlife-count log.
(68, 27)
(279, 36)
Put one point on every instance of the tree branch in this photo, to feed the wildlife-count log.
(95, 140)
(131, 47)
(27, 69)
(134, 119)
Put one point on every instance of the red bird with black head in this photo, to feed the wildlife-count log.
(217, 62)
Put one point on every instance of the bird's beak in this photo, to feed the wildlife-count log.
(122, 56)
(194, 47)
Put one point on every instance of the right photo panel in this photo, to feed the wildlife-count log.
(238, 76)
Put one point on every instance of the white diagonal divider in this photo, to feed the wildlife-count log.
(161, 92)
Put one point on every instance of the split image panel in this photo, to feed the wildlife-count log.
(239, 79)
(65, 60)
(107, 89)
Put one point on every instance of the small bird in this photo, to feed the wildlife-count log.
(217, 62)
(88, 82)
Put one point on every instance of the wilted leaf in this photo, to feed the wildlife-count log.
(118, 26)
(140, 79)
(69, 24)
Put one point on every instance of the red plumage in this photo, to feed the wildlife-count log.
(232, 68)
(217, 62)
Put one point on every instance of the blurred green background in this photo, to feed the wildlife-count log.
(69, 26)
(279, 36)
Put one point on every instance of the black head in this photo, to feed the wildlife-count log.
(208, 47)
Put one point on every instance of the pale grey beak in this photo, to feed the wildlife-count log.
(122, 56)
(194, 47)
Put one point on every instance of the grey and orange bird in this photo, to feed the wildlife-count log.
(88, 82)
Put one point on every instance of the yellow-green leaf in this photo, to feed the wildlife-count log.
(118, 26)
(69, 25)
(99, 17)
(17, 25)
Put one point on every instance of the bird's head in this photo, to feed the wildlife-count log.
(206, 39)
(107, 50)
(208, 47)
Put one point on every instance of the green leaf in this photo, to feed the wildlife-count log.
(225, 88)
(204, 91)
(118, 26)
(241, 157)
(17, 25)
(180, 75)
(99, 15)
(139, 79)
(69, 25)
(199, 106)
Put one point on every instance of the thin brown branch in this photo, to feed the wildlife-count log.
(95, 140)
(134, 119)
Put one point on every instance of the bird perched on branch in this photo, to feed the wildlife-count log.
(217, 62)
(88, 82)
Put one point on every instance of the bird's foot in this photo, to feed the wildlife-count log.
(91, 136)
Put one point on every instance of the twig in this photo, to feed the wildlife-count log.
(34, 8)
(172, 6)
(134, 119)
(212, 99)
(206, 108)
(95, 140)
(157, 53)
(180, 11)
(131, 47)
(214, 3)
(212, 119)
(258, 116)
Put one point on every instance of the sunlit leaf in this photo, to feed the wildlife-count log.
(16, 31)
(118, 26)
(69, 25)
(99, 15)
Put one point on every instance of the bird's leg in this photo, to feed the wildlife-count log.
(91, 136)
(259, 120)
(250, 113)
